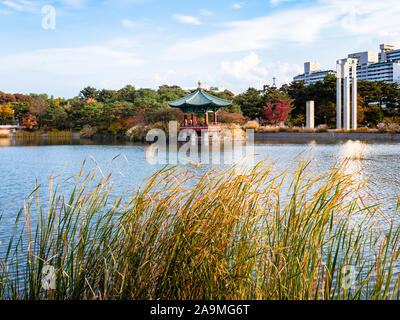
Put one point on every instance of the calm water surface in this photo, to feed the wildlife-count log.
(21, 163)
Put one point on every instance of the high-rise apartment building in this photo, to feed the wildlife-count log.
(374, 66)
(312, 73)
(388, 53)
(371, 66)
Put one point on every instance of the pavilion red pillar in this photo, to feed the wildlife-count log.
(194, 121)
(206, 119)
(185, 122)
(215, 117)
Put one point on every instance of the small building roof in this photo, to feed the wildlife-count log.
(200, 101)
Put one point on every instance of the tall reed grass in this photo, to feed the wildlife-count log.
(222, 235)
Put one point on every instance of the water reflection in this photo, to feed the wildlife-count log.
(354, 150)
(355, 154)
(5, 142)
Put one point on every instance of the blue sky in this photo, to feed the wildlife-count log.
(147, 43)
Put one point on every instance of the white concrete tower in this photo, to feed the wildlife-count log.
(346, 94)
(310, 115)
(354, 94)
(339, 71)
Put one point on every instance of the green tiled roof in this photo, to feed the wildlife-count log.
(200, 101)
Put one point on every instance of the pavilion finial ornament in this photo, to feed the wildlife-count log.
(200, 85)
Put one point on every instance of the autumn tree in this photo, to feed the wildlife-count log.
(6, 114)
(166, 114)
(38, 108)
(277, 112)
(6, 98)
(29, 122)
(21, 109)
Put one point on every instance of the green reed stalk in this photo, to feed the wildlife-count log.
(223, 235)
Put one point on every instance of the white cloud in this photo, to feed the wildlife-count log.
(236, 75)
(21, 5)
(128, 23)
(123, 43)
(356, 20)
(126, 3)
(235, 55)
(251, 71)
(74, 3)
(277, 2)
(186, 19)
(366, 17)
(241, 68)
(238, 5)
(292, 26)
(206, 13)
(57, 70)
(4, 11)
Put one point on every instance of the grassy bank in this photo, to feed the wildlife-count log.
(38, 134)
(223, 235)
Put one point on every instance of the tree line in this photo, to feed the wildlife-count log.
(378, 101)
(115, 111)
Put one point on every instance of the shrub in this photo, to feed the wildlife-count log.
(298, 120)
(322, 128)
(388, 127)
(137, 133)
(116, 128)
(362, 130)
(251, 125)
(140, 118)
(232, 126)
(294, 129)
(340, 130)
(267, 129)
(165, 115)
(230, 117)
(88, 131)
(164, 126)
(393, 127)
(233, 130)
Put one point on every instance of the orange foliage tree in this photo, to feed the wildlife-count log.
(6, 114)
(29, 122)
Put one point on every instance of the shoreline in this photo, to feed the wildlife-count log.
(290, 137)
(326, 136)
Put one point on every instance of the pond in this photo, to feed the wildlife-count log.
(22, 163)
